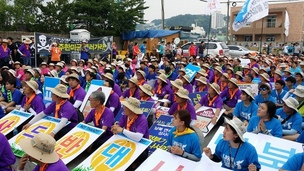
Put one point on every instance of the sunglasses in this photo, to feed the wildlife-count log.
(263, 89)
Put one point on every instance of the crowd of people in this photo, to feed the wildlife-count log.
(277, 109)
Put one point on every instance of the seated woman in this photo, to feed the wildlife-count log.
(290, 119)
(116, 88)
(145, 93)
(113, 103)
(12, 73)
(265, 121)
(182, 140)
(176, 85)
(61, 108)
(201, 84)
(141, 77)
(31, 102)
(299, 95)
(296, 162)
(213, 100)
(264, 94)
(246, 109)
(12, 97)
(75, 91)
(162, 90)
(133, 125)
(231, 95)
(132, 91)
(89, 76)
(233, 151)
(101, 116)
(7, 156)
(182, 98)
(187, 83)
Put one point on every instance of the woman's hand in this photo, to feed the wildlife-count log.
(23, 161)
(176, 150)
(116, 129)
(26, 126)
(208, 152)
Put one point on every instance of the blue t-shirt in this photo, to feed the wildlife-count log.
(259, 99)
(273, 126)
(245, 113)
(188, 142)
(300, 138)
(83, 54)
(295, 162)
(16, 97)
(278, 97)
(150, 76)
(294, 122)
(246, 155)
(143, 48)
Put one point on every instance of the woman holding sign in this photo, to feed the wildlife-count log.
(182, 140)
(233, 151)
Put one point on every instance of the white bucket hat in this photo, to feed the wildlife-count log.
(249, 92)
(146, 88)
(238, 125)
(41, 147)
(60, 64)
(63, 79)
(108, 76)
(142, 73)
(12, 72)
(133, 104)
(31, 71)
(53, 73)
(299, 91)
(60, 91)
(183, 93)
(291, 103)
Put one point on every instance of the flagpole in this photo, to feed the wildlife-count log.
(261, 41)
(209, 32)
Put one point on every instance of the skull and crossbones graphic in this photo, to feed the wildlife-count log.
(43, 43)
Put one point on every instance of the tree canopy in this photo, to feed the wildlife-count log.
(100, 17)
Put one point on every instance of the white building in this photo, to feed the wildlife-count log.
(217, 20)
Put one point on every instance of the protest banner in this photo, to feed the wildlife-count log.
(159, 132)
(49, 82)
(12, 120)
(204, 116)
(244, 62)
(85, 107)
(196, 97)
(45, 125)
(145, 106)
(162, 160)
(118, 153)
(76, 141)
(273, 152)
(160, 110)
(256, 80)
(191, 70)
(207, 163)
(97, 82)
(99, 45)
(253, 87)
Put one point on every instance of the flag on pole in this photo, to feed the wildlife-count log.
(213, 6)
(286, 24)
(252, 10)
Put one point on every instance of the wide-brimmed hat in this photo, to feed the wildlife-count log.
(254, 58)
(182, 70)
(202, 72)
(53, 73)
(206, 65)
(161, 71)
(108, 76)
(134, 80)
(255, 69)
(146, 88)
(60, 91)
(239, 73)
(33, 85)
(299, 91)
(249, 92)
(230, 68)
(90, 61)
(183, 93)
(225, 75)
(12, 72)
(219, 69)
(265, 76)
(162, 77)
(287, 70)
(60, 64)
(74, 60)
(133, 104)
(245, 67)
(27, 41)
(215, 87)
(37, 70)
(41, 147)
(263, 69)
(278, 72)
(142, 73)
(75, 69)
(51, 64)
(72, 76)
(43, 63)
(238, 125)
(202, 80)
(187, 78)
(63, 79)
(17, 63)
(31, 71)
(4, 41)
(291, 103)
(178, 83)
(283, 65)
(234, 81)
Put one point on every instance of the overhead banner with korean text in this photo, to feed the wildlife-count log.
(76, 141)
(99, 45)
(12, 120)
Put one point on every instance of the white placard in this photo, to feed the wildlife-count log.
(12, 120)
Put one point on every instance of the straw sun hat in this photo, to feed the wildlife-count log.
(299, 91)
(183, 93)
(238, 125)
(178, 83)
(146, 88)
(41, 147)
(72, 76)
(202, 80)
(108, 76)
(162, 77)
(215, 87)
(133, 104)
(249, 92)
(33, 85)
(60, 91)
(291, 103)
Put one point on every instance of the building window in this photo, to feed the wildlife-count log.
(248, 25)
(271, 21)
(248, 38)
(270, 38)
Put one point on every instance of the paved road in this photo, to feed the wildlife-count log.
(84, 155)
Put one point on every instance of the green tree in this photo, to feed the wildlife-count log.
(5, 15)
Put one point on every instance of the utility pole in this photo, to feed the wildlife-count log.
(227, 22)
(163, 14)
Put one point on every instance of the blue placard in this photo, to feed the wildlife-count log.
(191, 70)
(97, 82)
(159, 132)
(49, 82)
(145, 107)
(256, 80)
(196, 97)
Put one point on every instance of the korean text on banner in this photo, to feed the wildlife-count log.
(162, 160)
(13, 120)
(118, 153)
(85, 107)
(253, 87)
(251, 11)
(46, 125)
(213, 6)
(76, 141)
(191, 70)
(145, 106)
(49, 82)
(196, 97)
